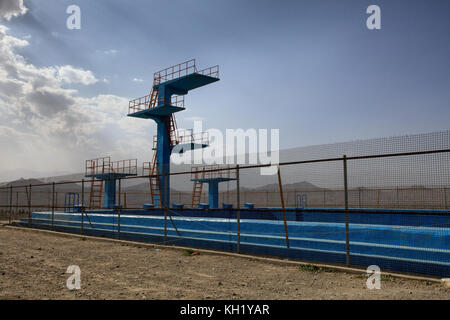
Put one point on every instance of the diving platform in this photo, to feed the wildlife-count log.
(166, 98)
(212, 175)
(156, 112)
(104, 174)
(184, 84)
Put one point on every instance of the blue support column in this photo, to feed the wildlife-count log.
(109, 194)
(163, 160)
(163, 149)
(213, 193)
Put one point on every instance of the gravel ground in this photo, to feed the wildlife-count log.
(33, 266)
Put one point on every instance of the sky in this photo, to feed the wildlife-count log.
(310, 68)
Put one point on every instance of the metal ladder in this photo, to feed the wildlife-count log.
(198, 188)
(172, 128)
(96, 194)
(150, 169)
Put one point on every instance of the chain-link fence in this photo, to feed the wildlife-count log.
(387, 209)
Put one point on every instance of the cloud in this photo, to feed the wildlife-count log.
(138, 80)
(109, 52)
(46, 125)
(70, 74)
(50, 101)
(11, 8)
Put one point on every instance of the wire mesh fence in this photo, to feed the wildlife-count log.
(381, 198)
(389, 209)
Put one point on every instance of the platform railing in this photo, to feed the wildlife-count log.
(212, 172)
(176, 71)
(139, 104)
(128, 166)
(104, 165)
(211, 71)
(183, 69)
(146, 168)
(144, 103)
(98, 166)
(188, 136)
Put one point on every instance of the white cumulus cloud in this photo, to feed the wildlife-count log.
(45, 125)
(70, 74)
(11, 8)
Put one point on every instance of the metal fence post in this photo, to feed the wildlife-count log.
(53, 203)
(398, 199)
(165, 208)
(119, 209)
(238, 210)
(324, 198)
(445, 198)
(17, 205)
(82, 206)
(282, 205)
(378, 198)
(29, 207)
(10, 202)
(359, 197)
(347, 240)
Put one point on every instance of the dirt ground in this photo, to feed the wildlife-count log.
(33, 266)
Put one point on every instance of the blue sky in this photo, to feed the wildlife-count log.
(309, 68)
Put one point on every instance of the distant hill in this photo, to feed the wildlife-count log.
(304, 186)
(80, 176)
(23, 182)
(36, 183)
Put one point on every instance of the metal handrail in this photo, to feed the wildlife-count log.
(183, 69)
(143, 103)
(211, 71)
(212, 172)
(188, 136)
(104, 166)
(173, 72)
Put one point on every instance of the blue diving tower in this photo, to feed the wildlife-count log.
(104, 174)
(166, 98)
(212, 175)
